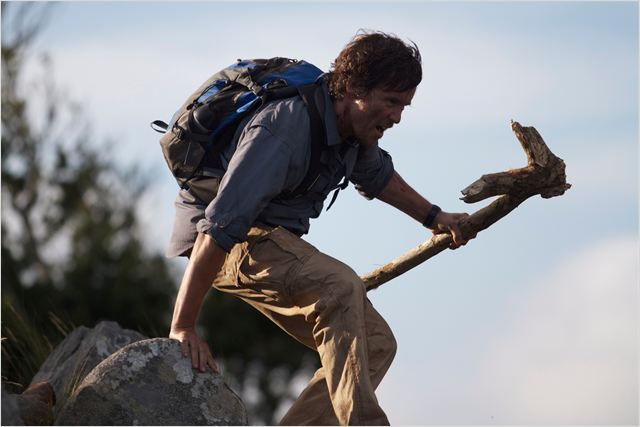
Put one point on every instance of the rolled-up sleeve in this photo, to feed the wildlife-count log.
(372, 172)
(256, 174)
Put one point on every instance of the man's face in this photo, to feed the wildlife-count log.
(370, 116)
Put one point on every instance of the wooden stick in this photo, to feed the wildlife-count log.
(544, 175)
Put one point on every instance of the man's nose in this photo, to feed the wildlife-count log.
(396, 115)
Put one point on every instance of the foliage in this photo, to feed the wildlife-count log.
(72, 249)
(70, 239)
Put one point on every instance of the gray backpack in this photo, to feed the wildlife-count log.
(208, 119)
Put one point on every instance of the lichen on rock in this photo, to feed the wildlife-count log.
(183, 371)
(79, 353)
(150, 383)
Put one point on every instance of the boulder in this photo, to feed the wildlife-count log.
(81, 351)
(150, 383)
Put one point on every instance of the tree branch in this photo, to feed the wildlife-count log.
(544, 175)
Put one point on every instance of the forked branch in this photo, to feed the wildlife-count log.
(543, 175)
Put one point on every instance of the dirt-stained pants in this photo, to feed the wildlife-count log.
(322, 303)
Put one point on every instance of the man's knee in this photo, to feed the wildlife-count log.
(391, 346)
(344, 302)
(381, 341)
(348, 290)
(382, 351)
(339, 281)
(387, 345)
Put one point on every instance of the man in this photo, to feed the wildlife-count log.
(246, 241)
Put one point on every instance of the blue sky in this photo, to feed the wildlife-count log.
(533, 322)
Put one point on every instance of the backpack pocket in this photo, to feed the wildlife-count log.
(181, 150)
(204, 188)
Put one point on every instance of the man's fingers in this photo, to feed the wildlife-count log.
(450, 223)
(457, 236)
(205, 355)
(206, 359)
(197, 350)
(212, 364)
(209, 362)
(184, 347)
(195, 354)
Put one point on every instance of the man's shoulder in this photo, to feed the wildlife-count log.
(286, 119)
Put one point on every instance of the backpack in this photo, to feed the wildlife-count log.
(208, 119)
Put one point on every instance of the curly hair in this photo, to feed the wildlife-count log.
(375, 60)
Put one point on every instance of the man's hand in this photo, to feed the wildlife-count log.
(190, 343)
(446, 222)
(400, 195)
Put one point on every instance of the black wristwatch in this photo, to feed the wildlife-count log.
(428, 221)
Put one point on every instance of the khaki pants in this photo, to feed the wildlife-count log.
(322, 303)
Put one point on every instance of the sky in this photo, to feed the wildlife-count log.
(533, 322)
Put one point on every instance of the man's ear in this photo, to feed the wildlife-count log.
(354, 93)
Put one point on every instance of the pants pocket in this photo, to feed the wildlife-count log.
(269, 262)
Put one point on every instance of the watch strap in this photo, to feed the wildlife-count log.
(431, 216)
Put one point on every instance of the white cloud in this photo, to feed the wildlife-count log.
(562, 349)
(478, 77)
(571, 353)
(471, 76)
(611, 172)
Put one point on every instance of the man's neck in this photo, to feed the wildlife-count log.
(341, 109)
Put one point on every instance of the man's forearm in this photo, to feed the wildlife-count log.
(204, 264)
(402, 196)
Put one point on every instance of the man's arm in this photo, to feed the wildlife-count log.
(402, 196)
(205, 262)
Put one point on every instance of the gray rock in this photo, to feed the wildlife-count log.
(81, 351)
(150, 383)
(10, 409)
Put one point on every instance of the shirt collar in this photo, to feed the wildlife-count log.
(330, 119)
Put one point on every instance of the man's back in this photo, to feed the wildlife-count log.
(269, 155)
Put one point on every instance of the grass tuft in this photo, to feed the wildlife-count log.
(24, 345)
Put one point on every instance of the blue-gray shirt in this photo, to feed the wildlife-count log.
(269, 155)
